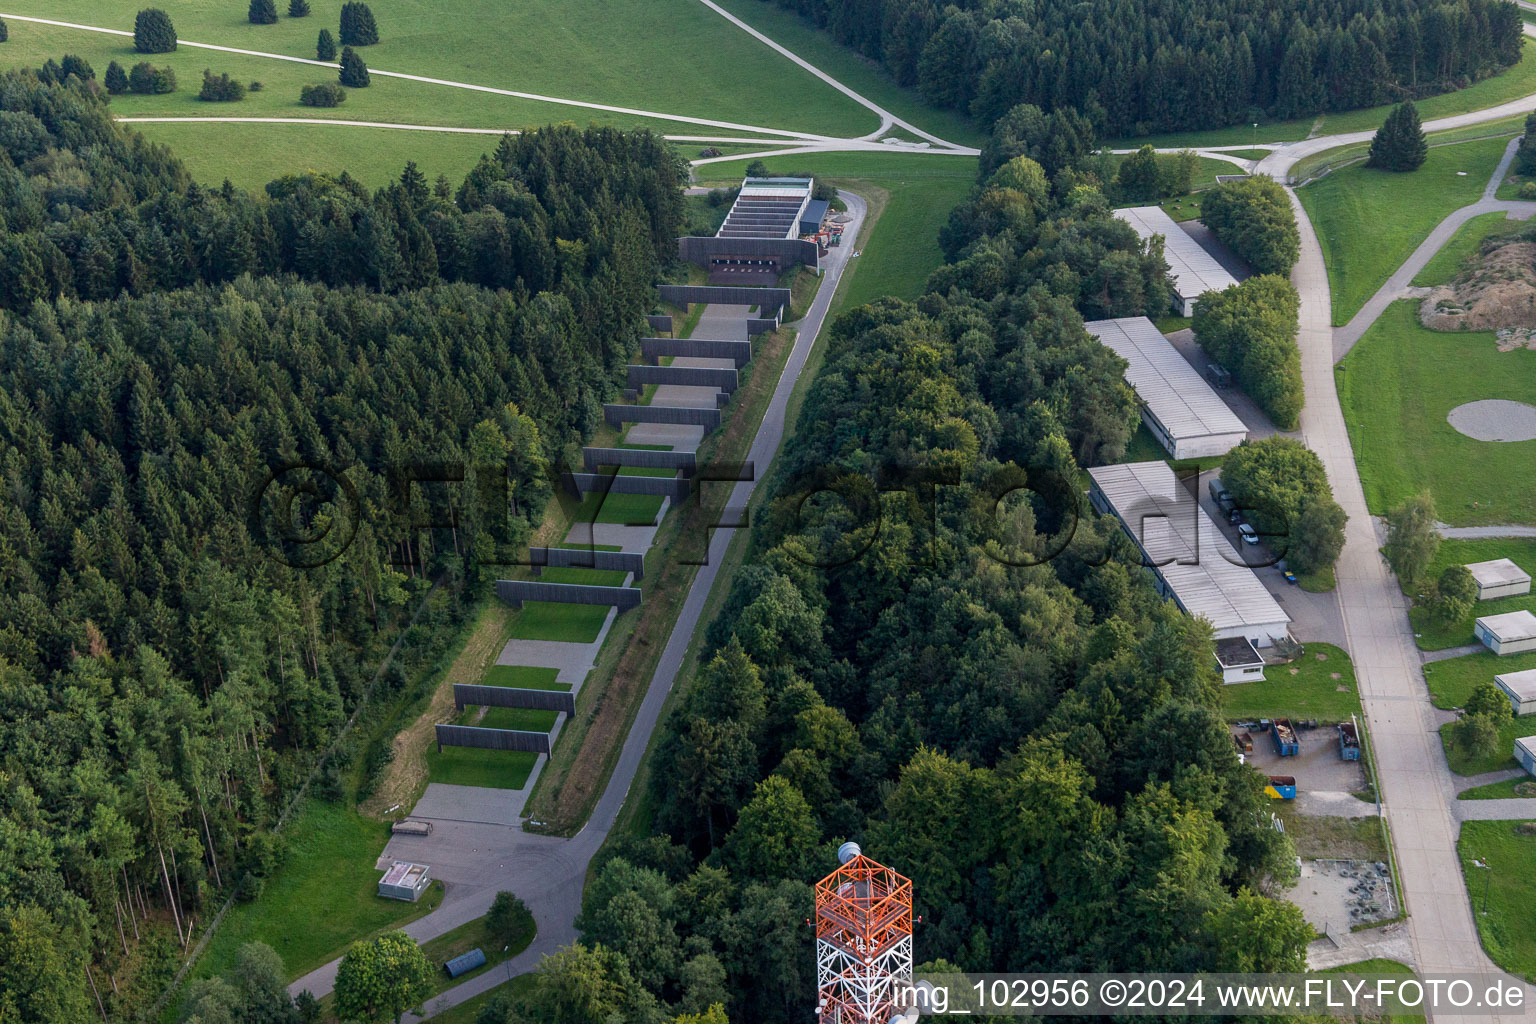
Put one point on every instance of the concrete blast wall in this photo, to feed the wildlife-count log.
(515, 592)
(675, 488)
(513, 697)
(760, 325)
(639, 458)
(588, 558)
(739, 352)
(617, 415)
(492, 739)
(687, 376)
(765, 299)
(659, 321)
(786, 251)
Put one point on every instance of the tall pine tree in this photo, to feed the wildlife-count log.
(298, 8)
(357, 25)
(153, 32)
(262, 12)
(1399, 145)
(325, 46)
(354, 73)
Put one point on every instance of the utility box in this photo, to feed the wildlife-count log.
(1286, 743)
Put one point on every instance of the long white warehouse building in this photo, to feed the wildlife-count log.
(1194, 562)
(1194, 271)
(1183, 412)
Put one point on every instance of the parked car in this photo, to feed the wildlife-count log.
(1234, 517)
(1249, 534)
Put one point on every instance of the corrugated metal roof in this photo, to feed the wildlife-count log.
(1174, 392)
(1193, 557)
(1194, 270)
(1497, 573)
(1510, 626)
(1521, 684)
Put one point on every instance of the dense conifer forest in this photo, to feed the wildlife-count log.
(953, 661)
(1172, 65)
(166, 682)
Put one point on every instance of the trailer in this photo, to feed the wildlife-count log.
(1286, 743)
(1349, 741)
(1281, 787)
(411, 828)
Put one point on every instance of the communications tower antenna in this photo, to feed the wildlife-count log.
(863, 942)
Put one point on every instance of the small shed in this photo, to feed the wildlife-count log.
(811, 217)
(1239, 660)
(1499, 578)
(1510, 633)
(464, 963)
(1525, 753)
(405, 881)
(1520, 688)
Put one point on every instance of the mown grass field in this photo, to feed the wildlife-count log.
(474, 935)
(328, 891)
(1431, 633)
(1396, 387)
(552, 620)
(1443, 267)
(1312, 692)
(1507, 790)
(912, 193)
(623, 54)
(1368, 220)
(523, 677)
(1506, 889)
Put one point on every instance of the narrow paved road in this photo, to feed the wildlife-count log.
(548, 873)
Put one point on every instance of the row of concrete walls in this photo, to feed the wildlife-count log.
(515, 592)
(513, 697)
(492, 739)
(675, 488)
(739, 352)
(765, 299)
(687, 376)
(640, 458)
(617, 415)
(588, 558)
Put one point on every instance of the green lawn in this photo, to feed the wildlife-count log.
(374, 156)
(586, 577)
(553, 620)
(903, 248)
(1447, 263)
(1464, 761)
(1205, 178)
(1396, 387)
(1506, 889)
(1507, 790)
(523, 677)
(473, 935)
(468, 1011)
(626, 54)
(1434, 635)
(623, 509)
(1452, 681)
(1368, 221)
(471, 766)
(323, 898)
(1312, 692)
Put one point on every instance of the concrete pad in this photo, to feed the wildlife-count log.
(686, 396)
(470, 804)
(720, 322)
(1494, 419)
(572, 661)
(680, 437)
(1318, 768)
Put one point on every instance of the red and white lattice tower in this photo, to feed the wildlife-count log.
(863, 941)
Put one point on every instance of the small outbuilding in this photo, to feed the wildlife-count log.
(1239, 660)
(811, 217)
(405, 881)
(1520, 688)
(1525, 753)
(1499, 578)
(465, 962)
(1510, 633)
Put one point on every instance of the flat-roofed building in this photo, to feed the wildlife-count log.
(1520, 688)
(405, 881)
(1510, 633)
(1193, 269)
(1525, 753)
(1193, 561)
(1184, 413)
(1499, 578)
(1239, 660)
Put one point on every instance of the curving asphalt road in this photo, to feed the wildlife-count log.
(546, 872)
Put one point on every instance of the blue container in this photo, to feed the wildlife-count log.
(464, 963)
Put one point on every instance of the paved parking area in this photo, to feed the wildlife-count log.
(1318, 768)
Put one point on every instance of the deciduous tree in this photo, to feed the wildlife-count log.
(381, 979)
(1412, 538)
